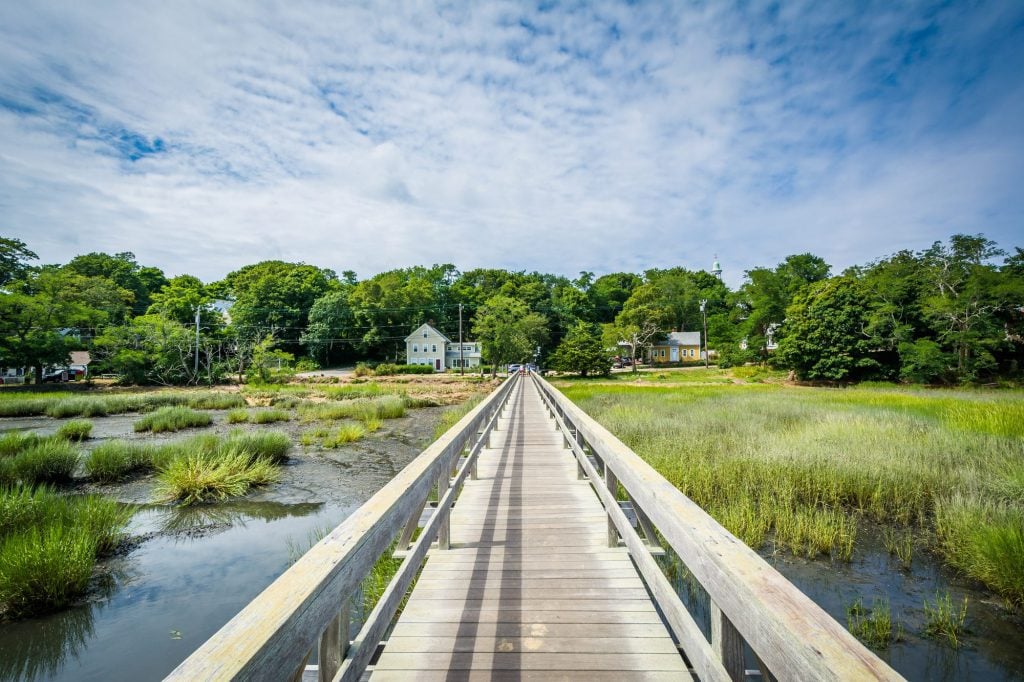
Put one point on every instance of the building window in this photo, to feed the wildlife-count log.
(424, 335)
(415, 348)
(433, 348)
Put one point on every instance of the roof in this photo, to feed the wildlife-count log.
(418, 333)
(681, 339)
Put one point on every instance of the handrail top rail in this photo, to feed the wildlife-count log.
(784, 627)
(275, 629)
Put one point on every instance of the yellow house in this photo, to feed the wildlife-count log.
(677, 347)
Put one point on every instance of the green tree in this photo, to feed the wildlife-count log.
(609, 293)
(274, 297)
(332, 332)
(41, 316)
(508, 331)
(824, 336)
(583, 351)
(123, 271)
(14, 258)
(180, 299)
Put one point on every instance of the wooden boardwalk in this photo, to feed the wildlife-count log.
(529, 588)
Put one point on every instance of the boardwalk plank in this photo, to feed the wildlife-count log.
(529, 588)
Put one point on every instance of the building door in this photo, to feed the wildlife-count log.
(674, 353)
(437, 364)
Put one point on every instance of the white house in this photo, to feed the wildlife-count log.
(428, 346)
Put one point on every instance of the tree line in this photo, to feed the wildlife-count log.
(950, 313)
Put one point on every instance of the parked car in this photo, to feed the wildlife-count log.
(512, 369)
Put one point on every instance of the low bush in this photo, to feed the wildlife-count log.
(75, 430)
(172, 419)
(389, 369)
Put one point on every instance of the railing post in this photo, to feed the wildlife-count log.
(444, 530)
(333, 645)
(613, 486)
(727, 643)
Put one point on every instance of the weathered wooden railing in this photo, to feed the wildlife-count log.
(790, 636)
(307, 606)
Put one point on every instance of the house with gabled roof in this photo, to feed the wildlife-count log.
(428, 346)
(677, 347)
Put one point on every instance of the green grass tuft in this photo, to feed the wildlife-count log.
(271, 445)
(117, 459)
(75, 430)
(13, 442)
(49, 461)
(270, 416)
(349, 433)
(172, 419)
(873, 625)
(944, 621)
(231, 472)
(217, 400)
(238, 416)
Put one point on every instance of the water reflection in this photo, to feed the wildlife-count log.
(231, 514)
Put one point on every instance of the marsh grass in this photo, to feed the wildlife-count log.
(873, 625)
(373, 424)
(49, 544)
(115, 460)
(384, 407)
(238, 416)
(943, 620)
(985, 540)
(270, 416)
(270, 445)
(807, 463)
(172, 419)
(215, 400)
(899, 544)
(351, 391)
(63, 404)
(13, 442)
(201, 477)
(75, 430)
(451, 416)
(50, 460)
(348, 433)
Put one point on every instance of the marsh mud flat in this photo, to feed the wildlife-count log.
(186, 571)
(990, 648)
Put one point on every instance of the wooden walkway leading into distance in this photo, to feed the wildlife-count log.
(529, 588)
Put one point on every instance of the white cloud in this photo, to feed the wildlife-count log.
(603, 137)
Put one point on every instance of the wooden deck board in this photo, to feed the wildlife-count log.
(529, 588)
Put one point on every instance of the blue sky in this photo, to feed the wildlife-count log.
(597, 136)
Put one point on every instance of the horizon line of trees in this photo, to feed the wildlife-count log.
(950, 313)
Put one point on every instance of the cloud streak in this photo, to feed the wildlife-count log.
(596, 136)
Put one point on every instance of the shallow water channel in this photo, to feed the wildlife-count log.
(187, 571)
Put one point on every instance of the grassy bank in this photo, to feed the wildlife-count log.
(800, 466)
(49, 545)
(61, 405)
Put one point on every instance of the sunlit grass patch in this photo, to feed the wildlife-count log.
(13, 442)
(238, 416)
(75, 430)
(117, 459)
(349, 433)
(985, 540)
(49, 544)
(172, 419)
(373, 424)
(801, 465)
(50, 460)
(215, 400)
(200, 477)
(271, 445)
(270, 416)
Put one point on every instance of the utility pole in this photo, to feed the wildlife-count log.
(462, 355)
(196, 370)
(704, 312)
